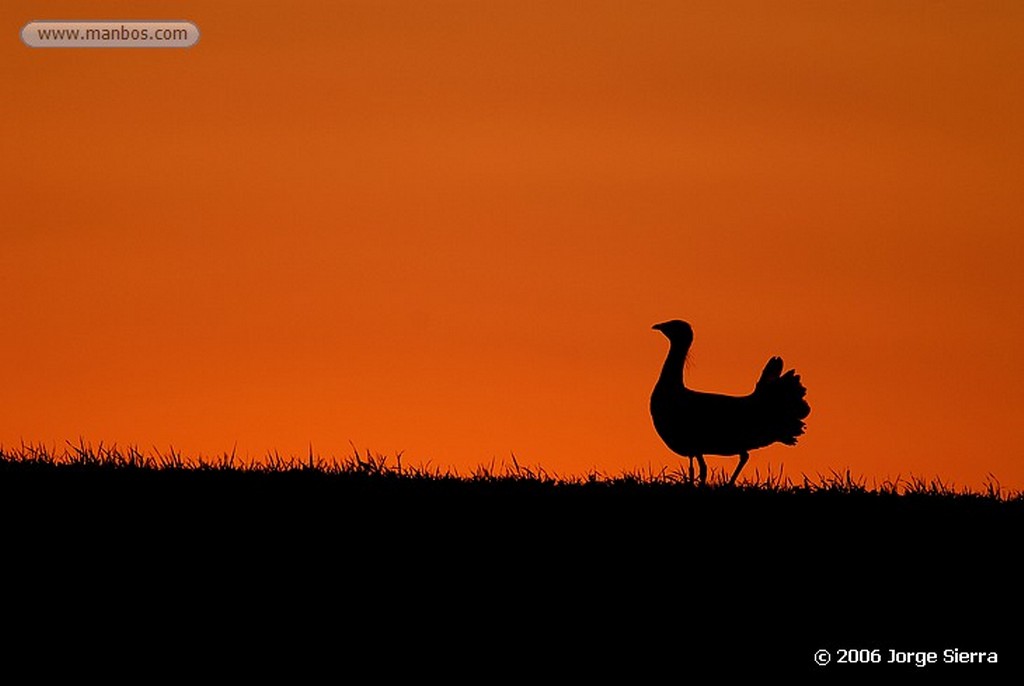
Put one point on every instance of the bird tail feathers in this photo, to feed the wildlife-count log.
(783, 395)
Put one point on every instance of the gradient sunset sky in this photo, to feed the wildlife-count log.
(446, 228)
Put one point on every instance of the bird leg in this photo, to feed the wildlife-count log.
(703, 468)
(743, 460)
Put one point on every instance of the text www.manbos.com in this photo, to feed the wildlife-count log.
(121, 33)
(96, 34)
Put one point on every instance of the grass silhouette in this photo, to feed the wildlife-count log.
(509, 565)
(374, 469)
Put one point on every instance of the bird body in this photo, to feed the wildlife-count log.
(694, 424)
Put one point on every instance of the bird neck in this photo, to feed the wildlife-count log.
(672, 370)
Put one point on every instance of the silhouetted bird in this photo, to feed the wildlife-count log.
(696, 424)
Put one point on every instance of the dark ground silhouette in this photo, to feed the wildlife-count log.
(694, 424)
(301, 571)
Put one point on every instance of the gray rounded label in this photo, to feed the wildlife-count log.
(110, 34)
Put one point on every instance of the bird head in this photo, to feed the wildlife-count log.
(677, 331)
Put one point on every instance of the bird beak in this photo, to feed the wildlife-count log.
(658, 327)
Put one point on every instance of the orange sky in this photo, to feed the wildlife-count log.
(445, 228)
